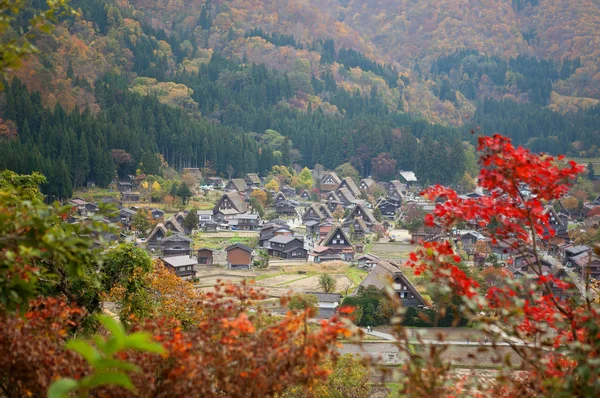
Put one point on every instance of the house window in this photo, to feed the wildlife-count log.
(402, 295)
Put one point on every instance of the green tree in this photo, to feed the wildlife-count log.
(142, 221)
(190, 222)
(17, 46)
(349, 378)
(150, 163)
(301, 302)
(591, 173)
(123, 273)
(33, 233)
(327, 283)
(184, 192)
(377, 214)
(347, 170)
(306, 178)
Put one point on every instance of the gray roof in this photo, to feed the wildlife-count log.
(239, 184)
(204, 212)
(177, 238)
(180, 261)
(311, 223)
(282, 239)
(578, 249)
(249, 216)
(409, 176)
(235, 199)
(351, 185)
(326, 297)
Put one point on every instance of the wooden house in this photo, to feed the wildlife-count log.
(389, 207)
(153, 242)
(367, 184)
(157, 213)
(176, 245)
(252, 180)
(236, 184)
(559, 223)
(112, 202)
(205, 256)
(126, 216)
(327, 303)
(351, 186)
(361, 212)
(367, 261)
(333, 201)
(587, 263)
(287, 247)
(280, 197)
(228, 206)
(305, 195)
(173, 225)
(239, 257)
(407, 177)
(183, 266)
(346, 197)
(330, 181)
(357, 229)
(204, 217)
(287, 207)
(288, 191)
(316, 212)
(385, 272)
(340, 243)
(215, 182)
(246, 222)
(312, 227)
(270, 230)
(130, 196)
(124, 186)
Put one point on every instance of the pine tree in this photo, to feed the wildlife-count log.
(184, 192)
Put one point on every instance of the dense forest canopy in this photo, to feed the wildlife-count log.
(200, 83)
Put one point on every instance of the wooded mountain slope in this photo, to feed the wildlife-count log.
(340, 81)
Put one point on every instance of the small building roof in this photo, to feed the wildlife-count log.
(180, 261)
(283, 239)
(239, 184)
(326, 297)
(177, 238)
(408, 176)
(239, 246)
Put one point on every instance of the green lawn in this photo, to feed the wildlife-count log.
(220, 243)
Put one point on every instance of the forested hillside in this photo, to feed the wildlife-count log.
(256, 83)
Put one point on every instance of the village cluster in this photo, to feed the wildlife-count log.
(337, 222)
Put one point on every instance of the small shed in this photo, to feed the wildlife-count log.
(205, 256)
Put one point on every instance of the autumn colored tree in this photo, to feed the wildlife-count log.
(271, 354)
(383, 166)
(570, 203)
(556, 339)
(18, 46)
(306, 178)
(142, 220)
(39, 251)
(260, 196)
(349, 378)
(272, 185)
